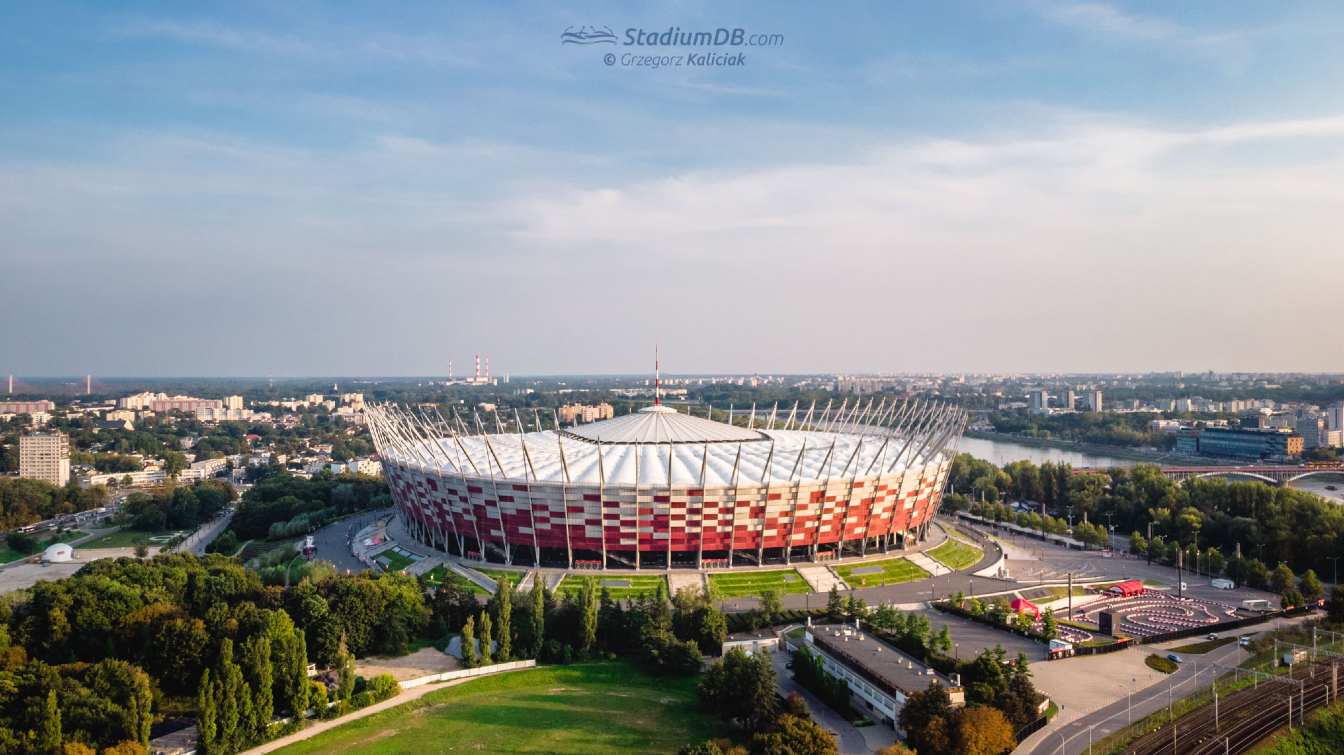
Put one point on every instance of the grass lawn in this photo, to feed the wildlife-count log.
(1204, 646)
(393, 561)
(752, 584)
(514, 577)
(955, 554)
(8, 554)
(585, 708)
(439, 574)
(1161, 663)
(129, 539)
(620, 586)
(894, 571)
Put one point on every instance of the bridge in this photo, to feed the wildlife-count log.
(1274, 474)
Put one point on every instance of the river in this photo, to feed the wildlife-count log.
(1002, 452)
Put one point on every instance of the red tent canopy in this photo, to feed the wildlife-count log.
(1020, 605)
(1127, 588)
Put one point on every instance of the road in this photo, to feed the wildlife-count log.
(1194, 674)
(333, 541)
(850, 740)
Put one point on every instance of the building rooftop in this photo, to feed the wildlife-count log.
(875, 660)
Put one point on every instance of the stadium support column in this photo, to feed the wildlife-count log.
(637, 560)
(564, 494)
(700, 544)
(602, 502)
(737, 493)
(765, 492)
(669, 509)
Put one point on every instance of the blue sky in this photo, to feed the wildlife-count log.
(305, 188)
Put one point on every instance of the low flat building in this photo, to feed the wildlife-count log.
(880, 677)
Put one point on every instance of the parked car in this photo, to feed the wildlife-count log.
(1244, 640)
(1211, 636)
(1173, 658)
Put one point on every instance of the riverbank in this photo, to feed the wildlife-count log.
(1117, 453)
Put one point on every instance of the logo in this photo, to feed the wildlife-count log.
(588, 35)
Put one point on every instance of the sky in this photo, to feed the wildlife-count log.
(291, 189)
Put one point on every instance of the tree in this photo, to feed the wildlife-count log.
(741, 688)
(206, 715)
(1310, 586)
(1049, 624)
(588, 605)
(260, 678)
(538, 614)
(487, 651)
(921, 709)
(141, 549)
(469, 642)
(771, 607)
(503, 601)
(981, 730)
(712, 629)
(49, 727)
(1281, 579)
(345, 686)
(835, 605)
(1335, 607)
(796, 735)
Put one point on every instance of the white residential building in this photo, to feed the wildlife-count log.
(45, 456)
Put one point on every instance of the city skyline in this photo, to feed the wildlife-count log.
(1013, 187)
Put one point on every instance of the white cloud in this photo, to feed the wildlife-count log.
(1094, 243)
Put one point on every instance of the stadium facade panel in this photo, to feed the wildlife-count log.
(658, 488)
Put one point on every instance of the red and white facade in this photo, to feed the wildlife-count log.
(659, 488)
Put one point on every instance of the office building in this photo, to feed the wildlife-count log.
(1250, 443)
(1094, 401)
(45, 456)
(1067, 400)
(233, 403)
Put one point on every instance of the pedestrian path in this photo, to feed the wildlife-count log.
(423, 566)
(928, 564)
(478, 578)
(525, 583)
(678, 580)
(821, 578)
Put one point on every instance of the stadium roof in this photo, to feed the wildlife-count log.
(663, 424)
(659, 446)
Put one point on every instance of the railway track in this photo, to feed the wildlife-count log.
(1243, 718)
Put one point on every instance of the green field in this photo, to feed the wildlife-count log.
(752, 584)
(129, 539)
(439, 574)
(1161, 663)
(514, 577)
(620, 586)
(894, 571)
(393, 561)
(1204, 646)
(585, 708)
(8, 554)
(955, 554)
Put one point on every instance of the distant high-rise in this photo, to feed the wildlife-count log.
(1094, 401)
(1067, 399)
(1040, 401)
(1334, 416)
(45, 456)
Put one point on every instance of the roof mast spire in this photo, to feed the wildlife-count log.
(657, 379)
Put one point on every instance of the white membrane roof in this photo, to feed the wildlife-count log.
(662, 424)
(781, 455)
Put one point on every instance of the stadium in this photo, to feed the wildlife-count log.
(660, 488)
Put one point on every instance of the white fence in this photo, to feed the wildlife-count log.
(467, 673)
